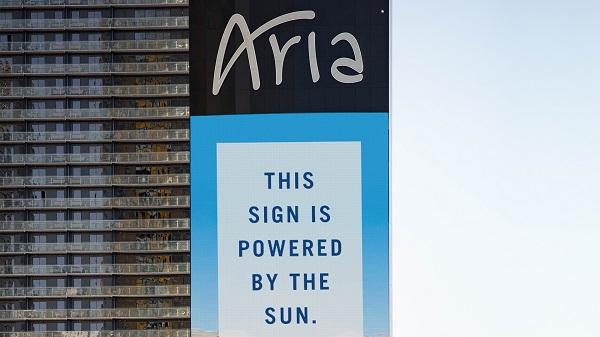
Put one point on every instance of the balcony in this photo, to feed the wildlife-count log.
(99, 68)
(96, 225)
(116, 291)
(114, 23)
(103, 333)
(153, 313)
(109, 90)
(116, 180)
(96, 247)
(97, 136)
(110, 113)
(115, 202)
(104, 46)
(116, 158)
(98, 269)
(60, 3)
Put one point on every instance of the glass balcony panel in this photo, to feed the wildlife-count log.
(174, 201)
(96, 113)
(128, 135)
(166, 179)
(133, 90)
(182, 312)
(174, 246)
(170, 290)
(103, 333)
(155, 157)
(164, 268)
(95, 224)
(177, 44)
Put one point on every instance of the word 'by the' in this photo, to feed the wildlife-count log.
(279, 52)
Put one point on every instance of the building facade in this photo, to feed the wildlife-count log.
(94, 168)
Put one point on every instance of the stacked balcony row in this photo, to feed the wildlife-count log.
(75, 247)
(94, 3)
(122, 291)
(99, 68)
(107, 180)
(109, 113)
(95, 225)
(97, 269)
(102, 333)
(96, 136)
(116, 313)
(97, 203)
(115, 90)
(98, 46)
(109, 23)
(116, 158)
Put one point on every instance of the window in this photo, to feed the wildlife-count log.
(76, 194)
(39, 283)
(96, 215)
(38, 127)
(37, 15)
(96, 260)
(38, 172)
(40, 305)
(96, 238)
(96, 194)
(37, 37)
(40, 327)
(38, 60)
(39, 238)
(39, 261)
(38, 149)
(96, 326)
(96, 304)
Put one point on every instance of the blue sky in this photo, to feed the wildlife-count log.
(370, 129)
(496, 167)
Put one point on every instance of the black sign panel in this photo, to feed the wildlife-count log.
(278, 56)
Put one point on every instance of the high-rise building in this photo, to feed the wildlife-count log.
(94, 168)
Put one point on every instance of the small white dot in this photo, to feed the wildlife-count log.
(382, 11)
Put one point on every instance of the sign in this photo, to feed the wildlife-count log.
(289, 143)
(289, 239)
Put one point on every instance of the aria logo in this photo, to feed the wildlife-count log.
(237, 20)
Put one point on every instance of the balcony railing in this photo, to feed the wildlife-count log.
(109, 90)
(155, 268)
(154, 313)
(117, 113)
(95, 225)
(118, 158)
(158, 23)
(162, 246)
(169, 290)
(78, 136)
(117, 45)
(150, 67)
(146, 180)
(115, 202)
(25, 3)
(103, 333)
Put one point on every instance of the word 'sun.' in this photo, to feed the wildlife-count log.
(237, 20)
